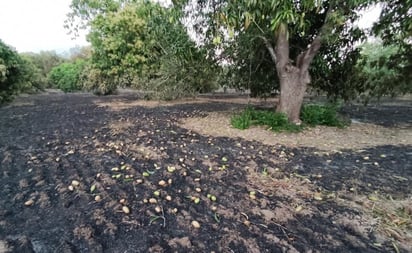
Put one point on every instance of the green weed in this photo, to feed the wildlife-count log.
(327, 115)
(311, 115)
(275, 121)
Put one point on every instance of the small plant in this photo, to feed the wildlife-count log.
(66, 76)
(243, 120)
(311, 115)
(327, 115)
(274, 120)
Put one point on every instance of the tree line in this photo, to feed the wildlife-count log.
(195, 46)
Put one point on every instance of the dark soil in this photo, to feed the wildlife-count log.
(47, 141)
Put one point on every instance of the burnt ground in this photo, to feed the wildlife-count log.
(245, 195)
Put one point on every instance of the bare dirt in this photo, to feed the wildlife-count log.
(80, 173)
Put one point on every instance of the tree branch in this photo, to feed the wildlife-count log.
(305, 58)
(282, 47)
(267, 43)
(270, 48)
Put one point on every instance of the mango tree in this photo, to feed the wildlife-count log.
(293, 33)
(17, 74)
(141, 44)
(395, 29)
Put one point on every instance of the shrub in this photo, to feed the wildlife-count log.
(98, 81)
(274, 120)
(177, 79)
(33, 79)
(43, 62)
(10, 72)
(326, 115)
(242, 120)
(311, 115)
(143, 45)
(17, 74)
(277, 121)
(66, 76)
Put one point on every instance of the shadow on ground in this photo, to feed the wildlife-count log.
(394, 115)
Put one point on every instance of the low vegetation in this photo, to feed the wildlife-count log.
(17, 74)
(311, 115)
(326, 115)
(67, 76)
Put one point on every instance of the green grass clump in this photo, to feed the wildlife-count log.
(243, 120)
(275, 121)
(311, 115)
(327, 115)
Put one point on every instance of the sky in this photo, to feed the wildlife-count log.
(36, 25)
(368, 16)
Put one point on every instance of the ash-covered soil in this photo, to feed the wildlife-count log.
(80, 175)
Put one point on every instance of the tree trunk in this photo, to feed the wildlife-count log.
(293, 78)
(292, 90)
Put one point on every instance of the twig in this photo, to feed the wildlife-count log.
(395, 247)
(283, 228)
(253, 20)
(262, 225)
(216, 217)
(244, 214)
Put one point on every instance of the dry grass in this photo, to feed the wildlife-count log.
(118, 127)
(356, 136)
(390, 218)
(122, 104)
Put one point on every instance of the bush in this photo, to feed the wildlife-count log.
(33, 79)
(311, 115)
(98, 82)
(66, 76)
(177, 78)
(275, 121)
(43, 62)
(242, 120)
(144, 45)
(17, 74)
(326, 115)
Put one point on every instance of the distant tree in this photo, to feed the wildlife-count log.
(10, 72)
(119, 49)
(67, 76)
(298, 38)
(33, 79)
(395, 28)
(80, 52)
(375, 77)
(44, 61)
(17, 74)
(143, 44)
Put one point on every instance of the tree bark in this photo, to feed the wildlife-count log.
(292, 91)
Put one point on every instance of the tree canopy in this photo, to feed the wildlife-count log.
(18, 73)
(395, 28)
(68, 75)
(282, 44)
(141, 44)
(263, 46)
